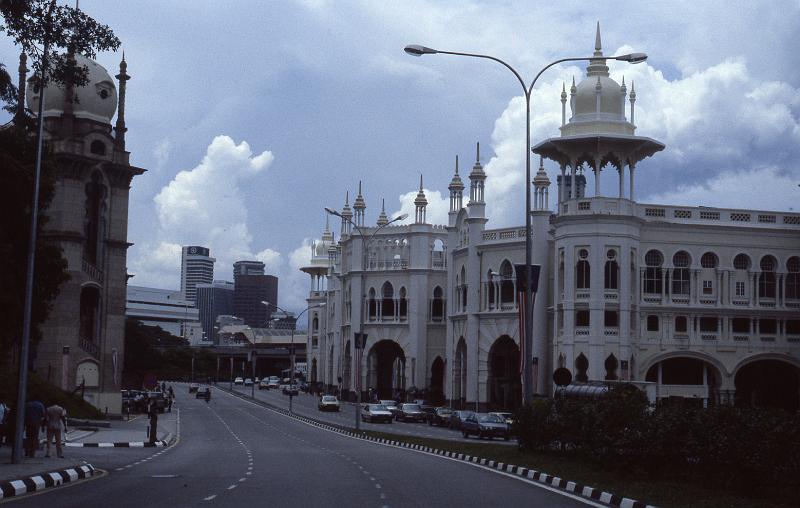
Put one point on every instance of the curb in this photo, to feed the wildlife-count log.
(14, 488)
(131, 444)
(574, 488)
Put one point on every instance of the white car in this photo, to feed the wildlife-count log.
(273, 384)
(238, 381)
(248, 382)
(328, 403)
(376, 413)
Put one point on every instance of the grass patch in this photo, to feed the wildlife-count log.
(662, 493)
(48, 394)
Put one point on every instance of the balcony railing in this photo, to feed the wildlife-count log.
(90, 347)
(92, 271)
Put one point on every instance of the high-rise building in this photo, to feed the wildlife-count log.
(197, 267)
(213, 300)
(251, 287)
(165, 308)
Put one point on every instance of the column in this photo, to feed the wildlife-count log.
(561, 185)
(597, 168)
(621, 170)
(631, 168)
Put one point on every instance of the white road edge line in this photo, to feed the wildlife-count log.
(555, 490)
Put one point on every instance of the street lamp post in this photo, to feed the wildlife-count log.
(417, 50)
(360, 338)
(291, 350)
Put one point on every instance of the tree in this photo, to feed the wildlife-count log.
(48, 33)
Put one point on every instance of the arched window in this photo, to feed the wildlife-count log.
(611, 365)
(709, 260)
(90, 314)
(373, 304)
(766, 280)
(94, 222)
(611, 273)
(387, 302)
(582, 270)
(97, 147)
(581, 366)
(403, 304)
(741, 262)
(653, 261)
(463, 289)
(490, 287)
(507, 284)
(793, 278)
(315, 324)
(437, 305)
(680, 273)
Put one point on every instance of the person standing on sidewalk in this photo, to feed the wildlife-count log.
(4, 411)
(56, 418)
(34, 420)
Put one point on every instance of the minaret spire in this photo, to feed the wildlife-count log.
(359, 205)
(456, 189)
(597, 65)
(477, 178)
(633, 100)
(563, 103)
(420, 203)
(598, 46)
(119, 128)
(382, 218)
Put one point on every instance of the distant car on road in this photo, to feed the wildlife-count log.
(290, 390)
(457, 419)
(328, 403)
(205, 393)
(440, 417)
(238, 381)
(485, 425)
(248, 382)
(194, 387)
(273, 383)
(411, 412)
(375, 413)
(263, 384)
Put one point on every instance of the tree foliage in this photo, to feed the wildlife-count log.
(35, 24)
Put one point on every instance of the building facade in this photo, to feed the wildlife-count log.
(197, 267)
(251, 288)
(83, 337)
(704, 303)
(213, 300)
(165, 308)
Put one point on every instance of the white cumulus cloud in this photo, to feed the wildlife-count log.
(436, 211)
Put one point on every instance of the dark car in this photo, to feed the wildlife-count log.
(194, 387)
(157, 400)
(411, 413)
(485, 425)
(204, 393)
(457, 419)
(290, 390)
(440, 417)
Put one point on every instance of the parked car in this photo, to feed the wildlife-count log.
(428, 410)
(328, 403)
(392, 406)
(256, 380)
(263, 384)
(248, 382)
(508, 417)
(457, 419)
(204, 393)
(375, 413)
(158, 400)
(238, 381)
(273, 383)
(485, 425)
(194, 387)
(440, 417)
(290, 390)
(411, 412)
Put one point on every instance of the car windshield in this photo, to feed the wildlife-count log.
(490, 419)
(388, 403)
(443, 411)
(411, 407)
(329, 398)
(377, 407)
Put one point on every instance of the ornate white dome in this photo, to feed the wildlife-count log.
(97, 100)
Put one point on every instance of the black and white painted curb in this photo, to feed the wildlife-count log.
(131, 444)
(528, 474)
(14, 488)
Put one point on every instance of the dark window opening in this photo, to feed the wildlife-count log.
(652, 323)
(680, 324)
(611, 318)
(581, 318)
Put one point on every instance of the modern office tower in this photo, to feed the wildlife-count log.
(197, 267)
(252, 287)
(213, 300)
(165, 308)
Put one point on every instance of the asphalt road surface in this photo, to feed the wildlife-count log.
(234, 453)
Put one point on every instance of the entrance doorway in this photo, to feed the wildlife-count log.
(504, 385)
(386, 364)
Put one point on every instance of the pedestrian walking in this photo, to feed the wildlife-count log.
(56, 420)
(34, 420)
(4, 411)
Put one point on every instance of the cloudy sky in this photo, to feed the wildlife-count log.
(251, 116)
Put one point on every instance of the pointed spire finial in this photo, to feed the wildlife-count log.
(346, 197)
(456, 164)
(420, 182)
(383, 205)
(598, 46)
(478, 154)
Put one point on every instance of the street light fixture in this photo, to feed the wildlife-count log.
(360, 341)
(291, 350)
(633, 58)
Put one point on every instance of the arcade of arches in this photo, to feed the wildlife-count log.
(503, 385)
(386, 367)
(768, 383)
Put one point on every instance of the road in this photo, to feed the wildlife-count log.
(306, 405)
(235, 453)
